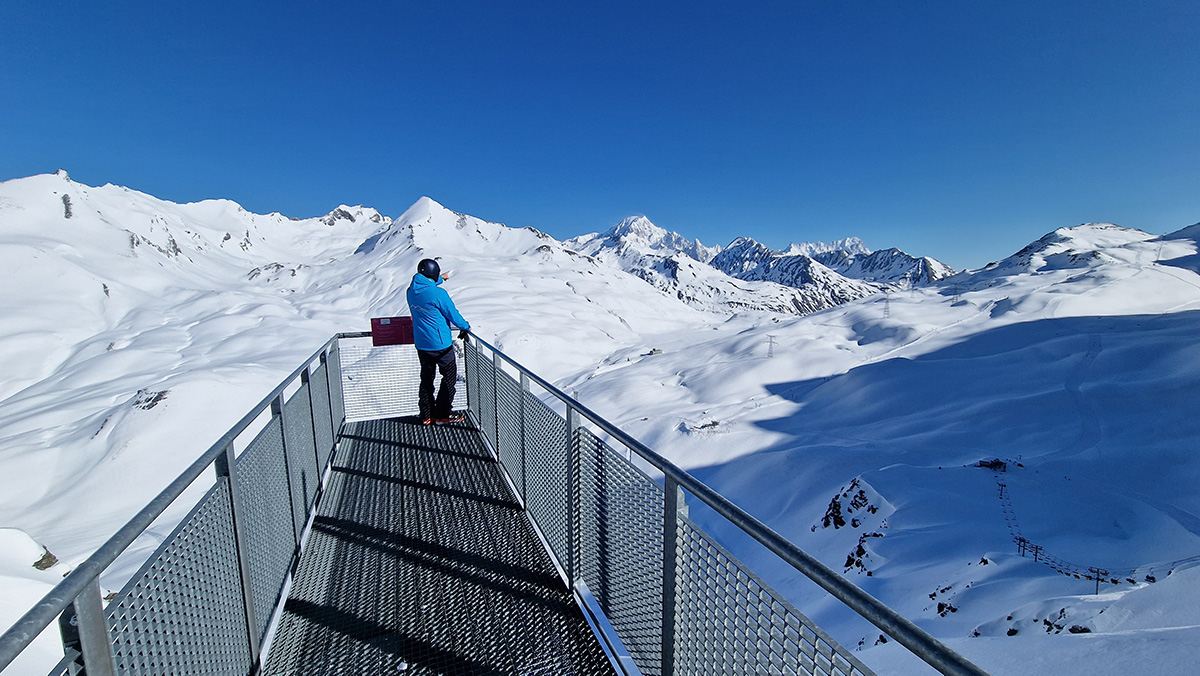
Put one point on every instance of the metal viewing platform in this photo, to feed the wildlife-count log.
(337, 535)
(421, 561)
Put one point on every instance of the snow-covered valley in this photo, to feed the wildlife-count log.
(910, 430)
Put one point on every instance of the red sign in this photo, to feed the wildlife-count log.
(391, 331)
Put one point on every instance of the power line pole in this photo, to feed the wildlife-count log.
(770, 346)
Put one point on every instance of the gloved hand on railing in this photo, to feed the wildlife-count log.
(464, 336)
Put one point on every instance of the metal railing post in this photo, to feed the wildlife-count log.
(93, 632)
(306, 379)
(573, 469)
(524, 465)
(226, 467)
(277, 413)
(495, 404)
(335, 416)
(670, 545)
(467, 368)
(324, 362)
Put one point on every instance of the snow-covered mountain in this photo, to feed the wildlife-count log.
(745, 258)
(1080, 248)
(704, 287)
(906, 438)
(887, 266)
(749, 260)
(742, 276)
(635, 238)
(850, 245)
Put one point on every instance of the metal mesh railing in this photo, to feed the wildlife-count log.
(270, 532)
(337, 402)
(482, 393)
(322, 424)
(302, 455)
(619, 531)
(673, 601)
(183, 612)
(603, 519)
(548, 480)
(203, 600)
(509, 430)
(730, 622)
(377, 381)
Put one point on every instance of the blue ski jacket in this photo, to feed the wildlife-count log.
(432, 313)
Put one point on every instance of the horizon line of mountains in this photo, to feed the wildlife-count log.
(744, 275)
(746, 258)
(747, 274)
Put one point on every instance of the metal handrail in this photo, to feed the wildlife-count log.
(18, 637)
(921, 643)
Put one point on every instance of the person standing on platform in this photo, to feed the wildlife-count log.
(433, 313)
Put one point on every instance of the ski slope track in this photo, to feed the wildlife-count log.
(913, 439)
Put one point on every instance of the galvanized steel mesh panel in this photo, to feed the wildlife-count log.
(728, 621)
(508, 411)
(323, 427)
(483, 400)
(267, 526)
(548, 482)
(301, 454)
(382, 382)
(336, 404)
(619, 536)
(474, 363)
(183, 612)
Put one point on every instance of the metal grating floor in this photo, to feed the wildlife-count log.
(420, 561)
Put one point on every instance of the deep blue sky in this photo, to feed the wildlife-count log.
(959, 130)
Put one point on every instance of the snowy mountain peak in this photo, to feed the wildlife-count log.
(638, 226)
(436, 230)
(850, 245)
(637, 236)
(640, 231)
(354, 214)
(748, 259)
(1092, 236)
(423, 210)
(748, 244)
(1071, 247)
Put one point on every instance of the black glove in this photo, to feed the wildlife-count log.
(464, 336)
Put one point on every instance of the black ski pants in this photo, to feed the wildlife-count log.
(442, 361)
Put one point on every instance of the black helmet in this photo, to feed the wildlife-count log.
(430, 269)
